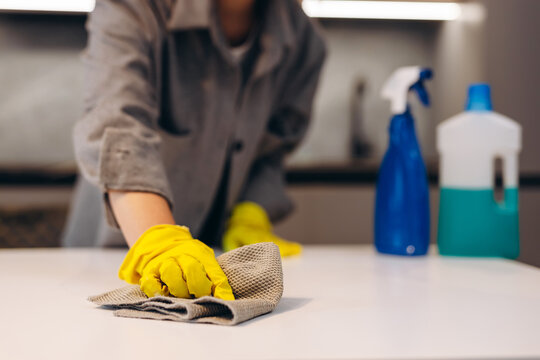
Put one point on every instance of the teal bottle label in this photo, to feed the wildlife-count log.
(472, 223)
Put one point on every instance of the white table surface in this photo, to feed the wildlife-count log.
(339, 303)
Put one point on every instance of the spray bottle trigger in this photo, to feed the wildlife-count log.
(418, 86)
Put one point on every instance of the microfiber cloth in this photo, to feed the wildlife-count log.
(256, 278)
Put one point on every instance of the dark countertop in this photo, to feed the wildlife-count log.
(360, 171)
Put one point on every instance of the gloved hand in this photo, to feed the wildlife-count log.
(249, 224)
(166, 260)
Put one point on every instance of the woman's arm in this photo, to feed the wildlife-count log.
(117, 142)
(136, 212)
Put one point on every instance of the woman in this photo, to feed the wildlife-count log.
(191, 106)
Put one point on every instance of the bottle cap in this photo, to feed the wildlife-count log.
(479, 98)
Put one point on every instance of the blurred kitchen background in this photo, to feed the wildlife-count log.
(332, 175)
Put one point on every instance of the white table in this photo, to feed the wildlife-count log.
(339, 303)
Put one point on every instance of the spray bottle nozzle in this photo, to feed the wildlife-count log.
(418, 86)
(401, 82)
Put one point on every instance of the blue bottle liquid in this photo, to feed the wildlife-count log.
(402, 217)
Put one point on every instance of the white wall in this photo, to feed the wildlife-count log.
(368, 50)
(512, 61)
(40, 88)
(41, 76)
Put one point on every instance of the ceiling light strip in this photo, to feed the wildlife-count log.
(76, 6)
(396, 10)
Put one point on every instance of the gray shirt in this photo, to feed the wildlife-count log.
(167, 104)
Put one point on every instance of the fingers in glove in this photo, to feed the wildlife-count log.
(220, 284)
(231, 242)
(171, 274)
(197, 282)
(287, 248)
(241, 236)
(151, 284)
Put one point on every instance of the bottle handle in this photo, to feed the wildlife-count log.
(510, 181)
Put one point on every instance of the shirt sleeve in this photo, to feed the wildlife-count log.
(116, 142)
(286, 128)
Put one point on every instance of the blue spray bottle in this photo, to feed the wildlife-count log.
(402, 199)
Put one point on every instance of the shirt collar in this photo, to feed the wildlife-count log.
(192, 14)
(275, 36)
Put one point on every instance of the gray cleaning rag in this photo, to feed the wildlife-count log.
(256, 278)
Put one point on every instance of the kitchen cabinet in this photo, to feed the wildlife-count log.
(343, 214)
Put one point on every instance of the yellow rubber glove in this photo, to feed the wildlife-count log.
(249, 224)
(166, 260)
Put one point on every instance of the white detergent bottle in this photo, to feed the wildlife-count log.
(471, 221)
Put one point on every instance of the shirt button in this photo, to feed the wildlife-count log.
(238, 145)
